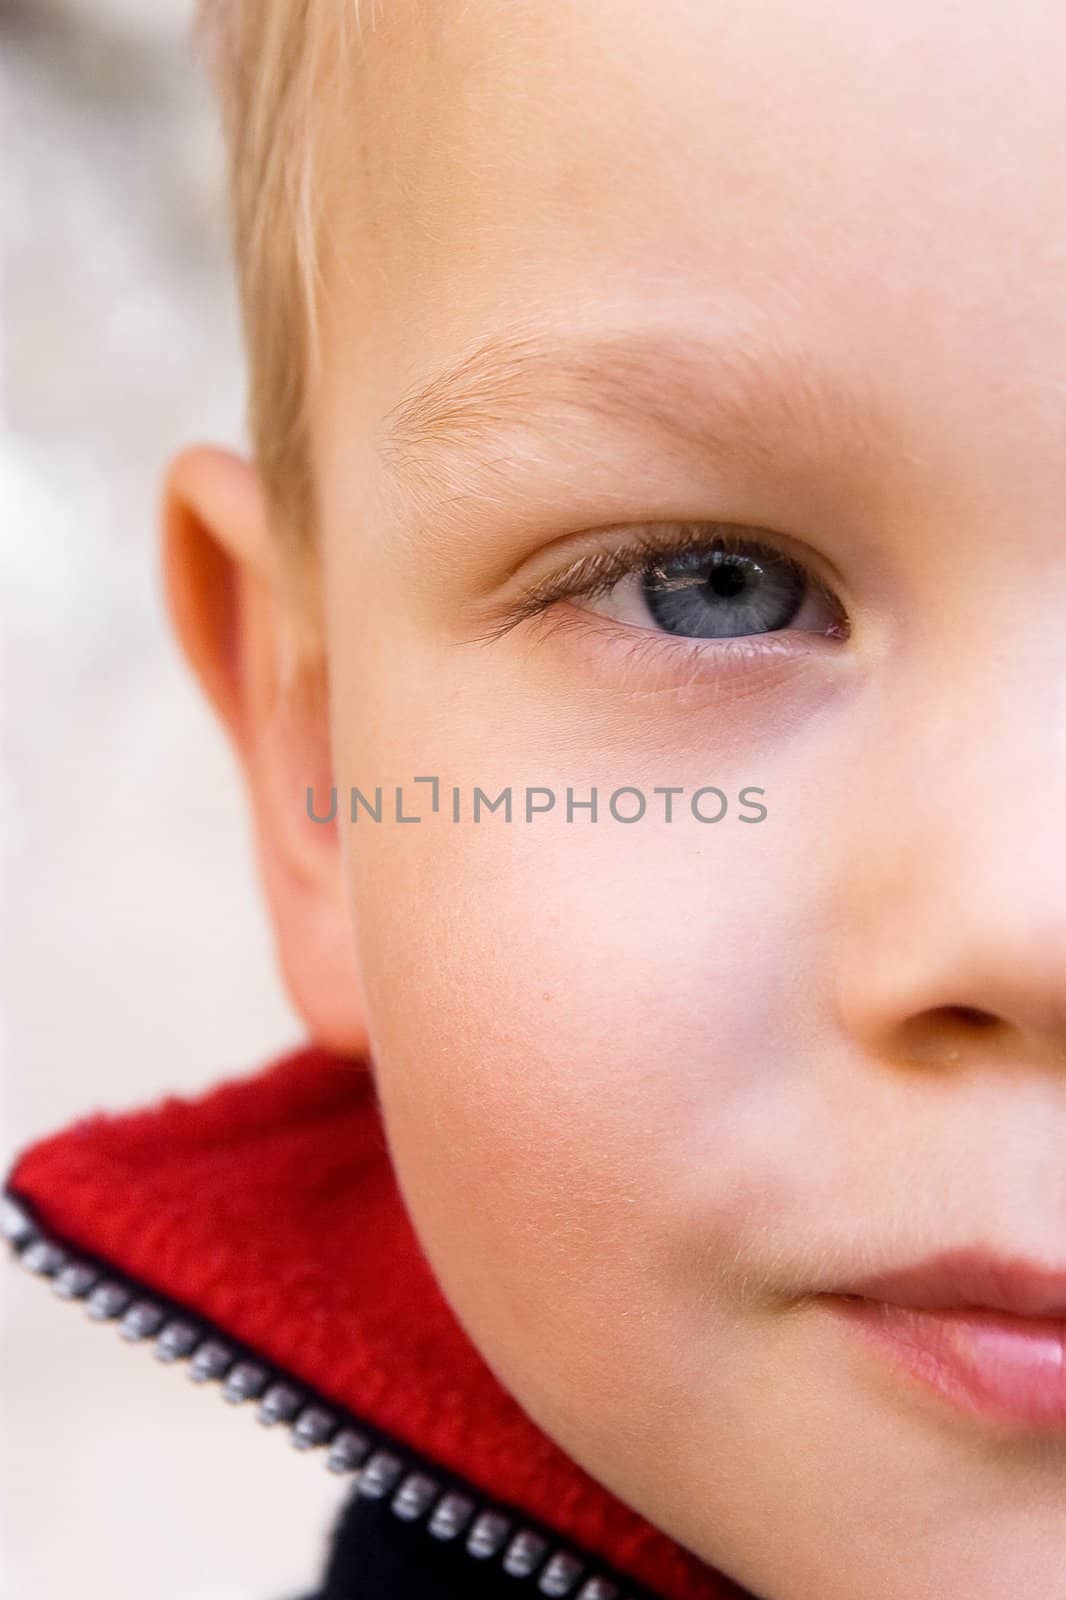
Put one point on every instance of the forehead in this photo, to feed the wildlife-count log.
(864, 169)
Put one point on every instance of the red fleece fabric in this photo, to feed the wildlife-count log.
(269, 1206)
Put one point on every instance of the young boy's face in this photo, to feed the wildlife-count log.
(656, 1091)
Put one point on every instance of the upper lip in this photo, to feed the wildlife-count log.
(971, 1278)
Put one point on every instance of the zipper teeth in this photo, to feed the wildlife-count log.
(381, 1469)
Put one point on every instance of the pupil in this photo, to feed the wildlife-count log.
(727, 579)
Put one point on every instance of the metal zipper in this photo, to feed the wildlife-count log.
(381, 1469)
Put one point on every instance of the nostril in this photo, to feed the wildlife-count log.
(970, 1016)
(941, 1036)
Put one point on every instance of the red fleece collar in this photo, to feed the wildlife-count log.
(269, 1207)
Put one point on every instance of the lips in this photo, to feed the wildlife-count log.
(960, 1278)
(986, 1333)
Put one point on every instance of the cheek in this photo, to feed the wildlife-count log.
(587, 1039)
(575, 1035)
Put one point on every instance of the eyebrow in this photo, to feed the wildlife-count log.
(737, 394)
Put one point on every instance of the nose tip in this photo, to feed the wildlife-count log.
(949, 866)
(962, 987)
(960, 958)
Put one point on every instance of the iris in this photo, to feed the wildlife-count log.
(720, 593)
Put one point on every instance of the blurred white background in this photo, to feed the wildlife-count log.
(134, 952)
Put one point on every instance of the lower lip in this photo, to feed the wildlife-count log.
(1002, 1367)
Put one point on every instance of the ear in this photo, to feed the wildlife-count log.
(232, 610)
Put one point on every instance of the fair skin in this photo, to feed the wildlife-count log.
(651, 1091)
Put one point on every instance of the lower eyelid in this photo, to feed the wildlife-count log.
(660, 662)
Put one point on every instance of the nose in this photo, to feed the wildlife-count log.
(952, 895)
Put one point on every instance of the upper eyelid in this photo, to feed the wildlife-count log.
(614, 565)
(631, 557)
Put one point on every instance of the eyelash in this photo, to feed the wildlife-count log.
(602, 570)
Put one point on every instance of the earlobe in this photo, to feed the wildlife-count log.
(225, 591)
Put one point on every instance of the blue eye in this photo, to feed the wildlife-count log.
(721, 593)
(722, 589)
(689, 580)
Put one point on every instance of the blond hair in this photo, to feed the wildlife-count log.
(267, 59)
